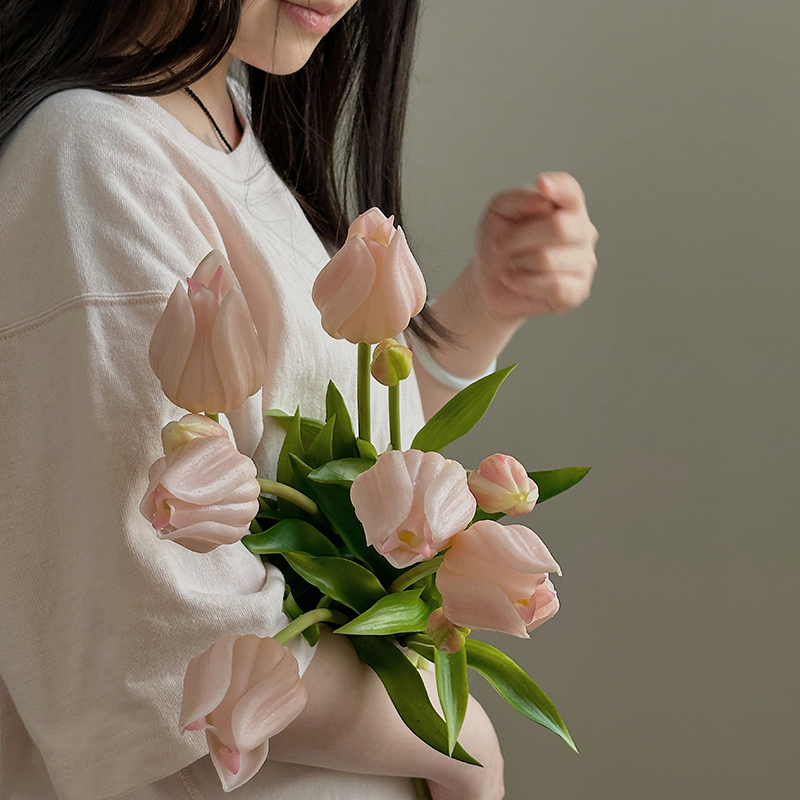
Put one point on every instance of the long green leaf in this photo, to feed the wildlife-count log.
(452, 684)
(290, 536)
(341, 472)
(513, 684)
(407, 691)
(554, 481)
(400, 612)
(335, 503)
(309, 427)
(344, 440)
(321, 449)
(460, 414)
(292, 447)
(343, 580)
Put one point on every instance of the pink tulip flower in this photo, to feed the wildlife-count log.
(373, 286)
(495, 578)
(203, 493)
(241, 691)
(411, 504)
(501, 484)
(205, 349)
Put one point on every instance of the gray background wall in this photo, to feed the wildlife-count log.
(674, 658)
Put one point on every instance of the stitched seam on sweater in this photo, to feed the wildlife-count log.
(189, 784)
(81, 301)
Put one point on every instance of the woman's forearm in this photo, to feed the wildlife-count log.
(479, 335)
(349, 724)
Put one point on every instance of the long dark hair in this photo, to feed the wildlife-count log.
(333, 130)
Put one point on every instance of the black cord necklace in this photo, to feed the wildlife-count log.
(211, 119)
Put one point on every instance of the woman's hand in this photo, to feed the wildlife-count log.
(534, 249)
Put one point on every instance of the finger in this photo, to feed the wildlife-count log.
(518, 203)
(578, 262)
(558, 228)
(553, 293)
(562, 189)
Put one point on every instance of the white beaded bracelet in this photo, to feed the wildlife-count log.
(438, 372)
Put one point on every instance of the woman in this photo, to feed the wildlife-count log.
(109, 197)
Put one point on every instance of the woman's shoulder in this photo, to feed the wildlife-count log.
(80, 125)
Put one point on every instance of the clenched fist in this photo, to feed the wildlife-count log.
(534, 249)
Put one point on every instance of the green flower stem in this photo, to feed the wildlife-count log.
(297, 626)
(290, 494)
(364, 377)
(416, 573)
(394, 416)
(421, 788)
(215, 417)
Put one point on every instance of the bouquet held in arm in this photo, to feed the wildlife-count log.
(402, 552)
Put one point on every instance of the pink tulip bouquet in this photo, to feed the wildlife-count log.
(403, 552)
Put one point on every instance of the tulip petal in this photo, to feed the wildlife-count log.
(364, 225)
(403, 282)
(449, 504)
(249, 762)
(204, 537)
(271, 704)
(207, 679)
(237, 350)
(473, 603)
(200, 387)
(148, 506)
(207, 471)
(515, 546)
(382, 496)
(343, 284)
(172, 341)
(208, 268)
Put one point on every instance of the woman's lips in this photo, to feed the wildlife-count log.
(316, 17)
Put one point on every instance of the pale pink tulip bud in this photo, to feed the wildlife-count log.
(495, 577)
(241, 691)
(501, 484)
(411, 504)
(187, 429)
(205, 349)
(447, 638)
(391, 362)
(203, 493)
(372, 287)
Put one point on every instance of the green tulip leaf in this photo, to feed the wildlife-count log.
(515, 687)
(290, 536)
(554, 481)
(407, 692)
(344, 440)
(460, 414)
(342, 472)
(366, 450)
(309, 427)
(320, 451)
(292, 447)
(400, 612)
(334, 501)
(343, 580)
(452, 684)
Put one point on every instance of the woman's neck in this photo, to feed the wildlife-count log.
(212, 90)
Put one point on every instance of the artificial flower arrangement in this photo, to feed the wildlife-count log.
(402, 552)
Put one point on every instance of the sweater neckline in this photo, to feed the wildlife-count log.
(237, 163)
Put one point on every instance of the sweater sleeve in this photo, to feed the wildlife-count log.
(99, 618)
